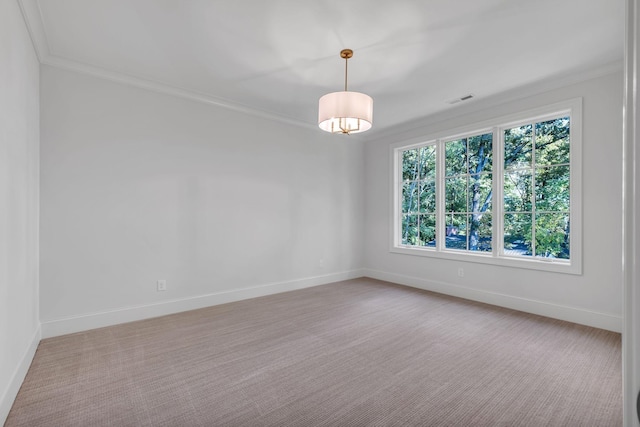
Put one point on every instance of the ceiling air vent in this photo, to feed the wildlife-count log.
(462, 98)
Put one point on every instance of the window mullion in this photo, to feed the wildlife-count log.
(440, 214)
(533, 190)
(498, 201)
(397, 196)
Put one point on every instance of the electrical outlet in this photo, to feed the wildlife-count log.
(461, 272)
(162, 285)
(321, 263)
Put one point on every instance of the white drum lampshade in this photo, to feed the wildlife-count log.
(345, 112)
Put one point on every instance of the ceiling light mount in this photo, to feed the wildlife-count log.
(345, 112)
(346, 53)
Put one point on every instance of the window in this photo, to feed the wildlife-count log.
(419, 196)
(506, 193)
(536, 189)
(468, 193)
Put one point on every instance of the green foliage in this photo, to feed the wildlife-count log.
(455, 199)
(419, 163)
(552, 142)
(517, 232)
(419, 230)
(481, 239)
(456, 157)
(518, 147)
(479, 153)
(536, 179)
(468, 165)
(552, 235)
(549, 196)
(479, 192)
(419, 196)
(552, 188)
(517, 190)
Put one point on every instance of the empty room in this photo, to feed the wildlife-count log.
(319, 213)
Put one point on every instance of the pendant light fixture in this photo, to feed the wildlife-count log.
(345, 112)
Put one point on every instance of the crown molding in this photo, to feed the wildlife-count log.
(167, 89)
(405, 130)
(33, 20)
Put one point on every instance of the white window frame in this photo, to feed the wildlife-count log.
(571, 108)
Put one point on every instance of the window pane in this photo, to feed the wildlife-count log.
(517, 191)
(456, 231)
(428, 197)
(409, 229)
(456, 157)
(410, 165)
(552, 142)
(517, 234)
(427, 230)
(517, 147)
(410, 197)
(480, 193)
(480, 154)
(480, 232)
(419, 230)
(552, 188)
(456, 194)
(552, 235)
(427, 162)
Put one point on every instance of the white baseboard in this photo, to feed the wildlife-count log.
(606, 321)
(9, 396)
(84, 322)
(67, 325)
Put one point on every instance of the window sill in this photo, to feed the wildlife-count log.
(541, 264)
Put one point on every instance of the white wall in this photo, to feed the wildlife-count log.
(139, 186)
(19, 138)
(593, 298)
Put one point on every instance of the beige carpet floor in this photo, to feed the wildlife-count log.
(354, 353)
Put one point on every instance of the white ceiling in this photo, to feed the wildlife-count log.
(277, 57)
